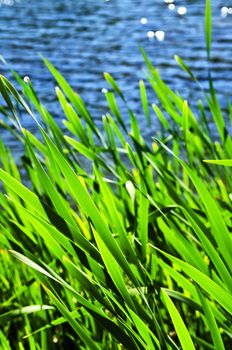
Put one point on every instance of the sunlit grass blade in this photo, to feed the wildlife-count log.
(114, 271)
(212, 324)
(114, 108)
(28, 196)
(113, 84)
(80, 330)
(130, 235)
(210, 250)
(215, 290)
(224, 162)
(145, 105)
(142, 220)
(86, 203)
(222, 235)
(185, 67)
(23, 311)
(180, 327)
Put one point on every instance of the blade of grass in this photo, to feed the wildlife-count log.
(180, 327)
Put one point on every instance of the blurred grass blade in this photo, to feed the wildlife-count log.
(143, 95)
(8, 316)
(224, 162)
(185, 67)
(114, 85)
(208, 27)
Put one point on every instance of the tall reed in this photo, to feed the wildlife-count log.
(116, 242)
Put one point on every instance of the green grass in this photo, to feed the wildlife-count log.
(116, 242)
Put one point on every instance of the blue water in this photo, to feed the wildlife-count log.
(84, 38)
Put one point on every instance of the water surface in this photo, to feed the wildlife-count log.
(84, 38)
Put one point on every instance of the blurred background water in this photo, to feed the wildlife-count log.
(84, 38)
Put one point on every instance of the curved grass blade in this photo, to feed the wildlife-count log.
(80, 330)
(82, 197)
(180, 327)
(220, 230)
(211, 287)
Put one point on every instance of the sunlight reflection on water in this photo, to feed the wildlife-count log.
(86, 37)
(226, 11)
(8, 2)
(182, 10)
(143, 20)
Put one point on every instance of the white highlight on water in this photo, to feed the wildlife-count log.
(160, 35)
(226, 11)
(143, 20)
(26, 79)
(171, 7)
(182, 10)
(150, 34)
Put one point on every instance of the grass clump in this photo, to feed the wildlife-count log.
(115, 242)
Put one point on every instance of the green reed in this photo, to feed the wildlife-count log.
(116, 242)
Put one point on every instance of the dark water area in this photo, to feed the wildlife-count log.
(84, 38)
